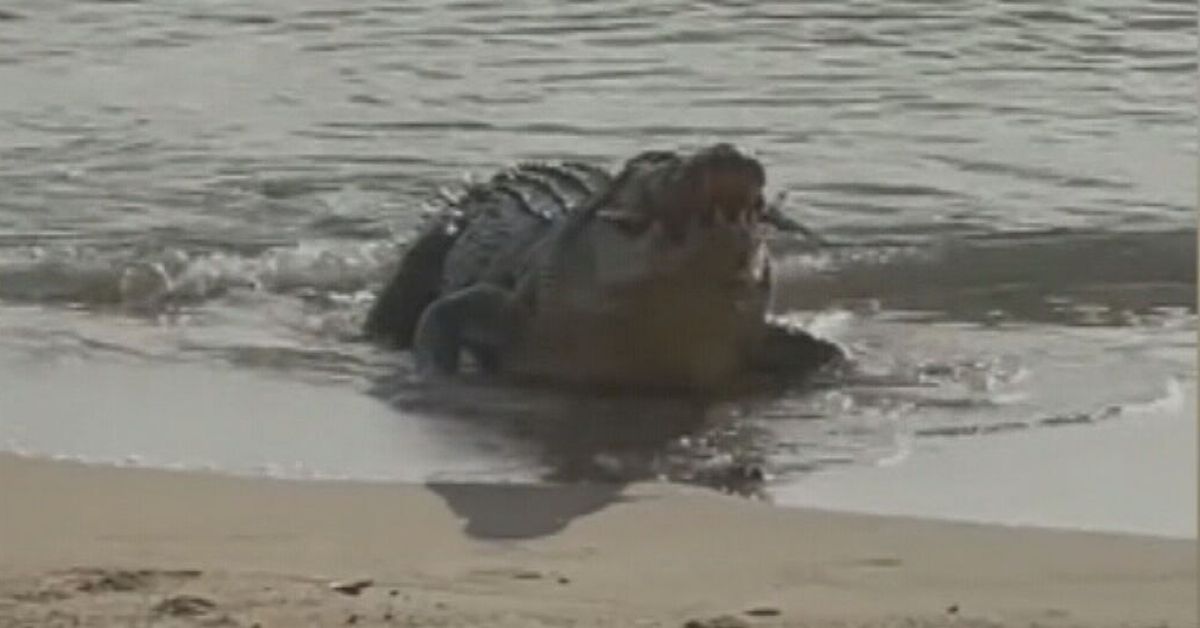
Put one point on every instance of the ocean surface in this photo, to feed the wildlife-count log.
(197, 201)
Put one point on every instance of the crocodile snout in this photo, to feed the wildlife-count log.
(726, 186)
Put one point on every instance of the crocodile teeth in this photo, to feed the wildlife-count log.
(449, 196)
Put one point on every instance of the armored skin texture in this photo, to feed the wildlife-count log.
(656, 277)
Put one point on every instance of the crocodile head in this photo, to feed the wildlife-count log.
(664, 277)
(693, 218)
(718, 185)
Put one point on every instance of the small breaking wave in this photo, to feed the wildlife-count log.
(1062, 277)
(152, 281)
(1085, 278)
(1171, 402)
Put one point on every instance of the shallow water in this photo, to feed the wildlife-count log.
(196, 202)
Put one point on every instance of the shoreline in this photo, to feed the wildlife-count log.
(1133, 472)
(264, 550)
(1125, 475)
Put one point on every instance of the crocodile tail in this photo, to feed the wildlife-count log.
(416, 283)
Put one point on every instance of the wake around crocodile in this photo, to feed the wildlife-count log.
(656, 277)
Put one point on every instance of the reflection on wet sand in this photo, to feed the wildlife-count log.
(610, 439)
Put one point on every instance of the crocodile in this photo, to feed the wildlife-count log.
(655, 276)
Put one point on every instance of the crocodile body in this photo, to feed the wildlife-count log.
(653, 277)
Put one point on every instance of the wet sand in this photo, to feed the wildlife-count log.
(1133, 474)
(84, 545)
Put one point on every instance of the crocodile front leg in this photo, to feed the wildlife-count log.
(792, 352)
(481, 319)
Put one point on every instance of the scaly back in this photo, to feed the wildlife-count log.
(478, 234)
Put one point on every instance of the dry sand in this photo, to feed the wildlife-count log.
(83, 545)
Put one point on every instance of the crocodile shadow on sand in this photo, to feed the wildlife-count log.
(590, 447)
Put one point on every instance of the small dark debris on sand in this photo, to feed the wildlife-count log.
(42, 595)
(764, 611)
(125, 580)
(222, 621)
(722, 621)
(115, 582)
(184, 606)
(351, 587)
(527, 574)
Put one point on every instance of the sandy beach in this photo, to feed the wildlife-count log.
(98, 546)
